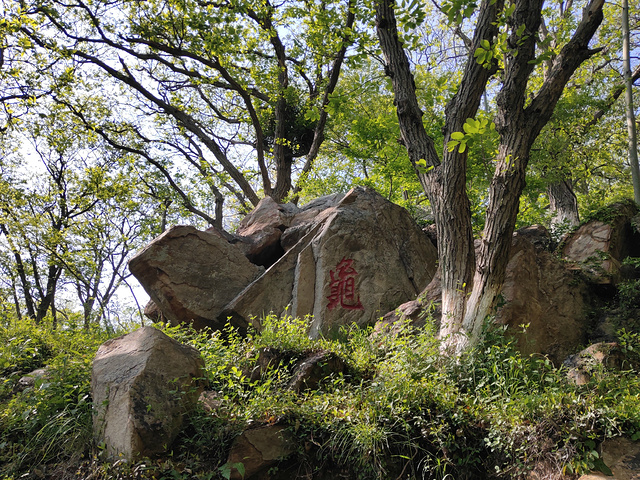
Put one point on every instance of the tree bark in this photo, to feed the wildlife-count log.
(445, 182)
(519, 126)
(630, 114)
(564, 205)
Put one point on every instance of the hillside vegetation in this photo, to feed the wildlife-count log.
(399, 409)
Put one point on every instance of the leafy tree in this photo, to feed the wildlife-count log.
(505, 41)
(70, 217)
(230, 88)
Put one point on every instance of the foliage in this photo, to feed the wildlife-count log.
(50, 422)
(398, 407)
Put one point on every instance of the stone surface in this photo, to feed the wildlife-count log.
(538, 235)
(549, 299)
(258, 235)
(357, 260)
(209, 401)
(270, 293)
(142, 384)
(622, 456)
(191, 275)
(307, 217)
(257, 449)
(414, 312)
(267, 358)
(539, 291)
(598, 248)
(599, 355)
(152, 312)
(312, 370)
(29, 380)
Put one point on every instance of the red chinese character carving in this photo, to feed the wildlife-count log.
(343, 287)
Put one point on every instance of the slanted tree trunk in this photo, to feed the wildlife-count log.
(445, 182)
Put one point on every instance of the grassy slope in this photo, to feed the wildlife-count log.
(399, 410)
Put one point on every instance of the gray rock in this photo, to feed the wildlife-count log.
(599, 355)
(258, 235)
(142, 384)
(191, 275)
(29, 380)
(313, 369)
(548, 299)
(357, 260)
(598, 248)
(622, 456)
(257, 449)
(539, 292)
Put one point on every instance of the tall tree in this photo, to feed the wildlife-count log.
(236, 90)
(628, 100)
(470, 285)
(70, 216)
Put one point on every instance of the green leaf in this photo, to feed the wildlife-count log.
(600, 466)
(457, 135)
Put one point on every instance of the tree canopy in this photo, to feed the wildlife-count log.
(478, 116)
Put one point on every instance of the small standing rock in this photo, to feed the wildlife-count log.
(257, 449)
(142, 384)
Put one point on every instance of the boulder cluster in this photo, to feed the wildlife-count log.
(342, 259)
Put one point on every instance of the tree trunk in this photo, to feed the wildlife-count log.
(46, 302)
(631, 122)
(518, 126)
(564, 205)
(444, 182)
(22, 274)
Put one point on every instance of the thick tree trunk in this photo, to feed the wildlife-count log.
(444, 182)
(493, 256)
(519, 127)
(563, 204)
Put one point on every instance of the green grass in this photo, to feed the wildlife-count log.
(397, 410)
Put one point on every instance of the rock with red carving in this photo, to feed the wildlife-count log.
(355, 261)
(191, 275)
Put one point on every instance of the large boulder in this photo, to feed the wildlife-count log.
(544, 301)
(191, 275)
(599, 246)
(142, 384)
(351, 263)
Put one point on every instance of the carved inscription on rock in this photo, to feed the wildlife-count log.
(343, 287)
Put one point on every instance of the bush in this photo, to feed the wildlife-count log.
(51, 421)
(398, 409)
